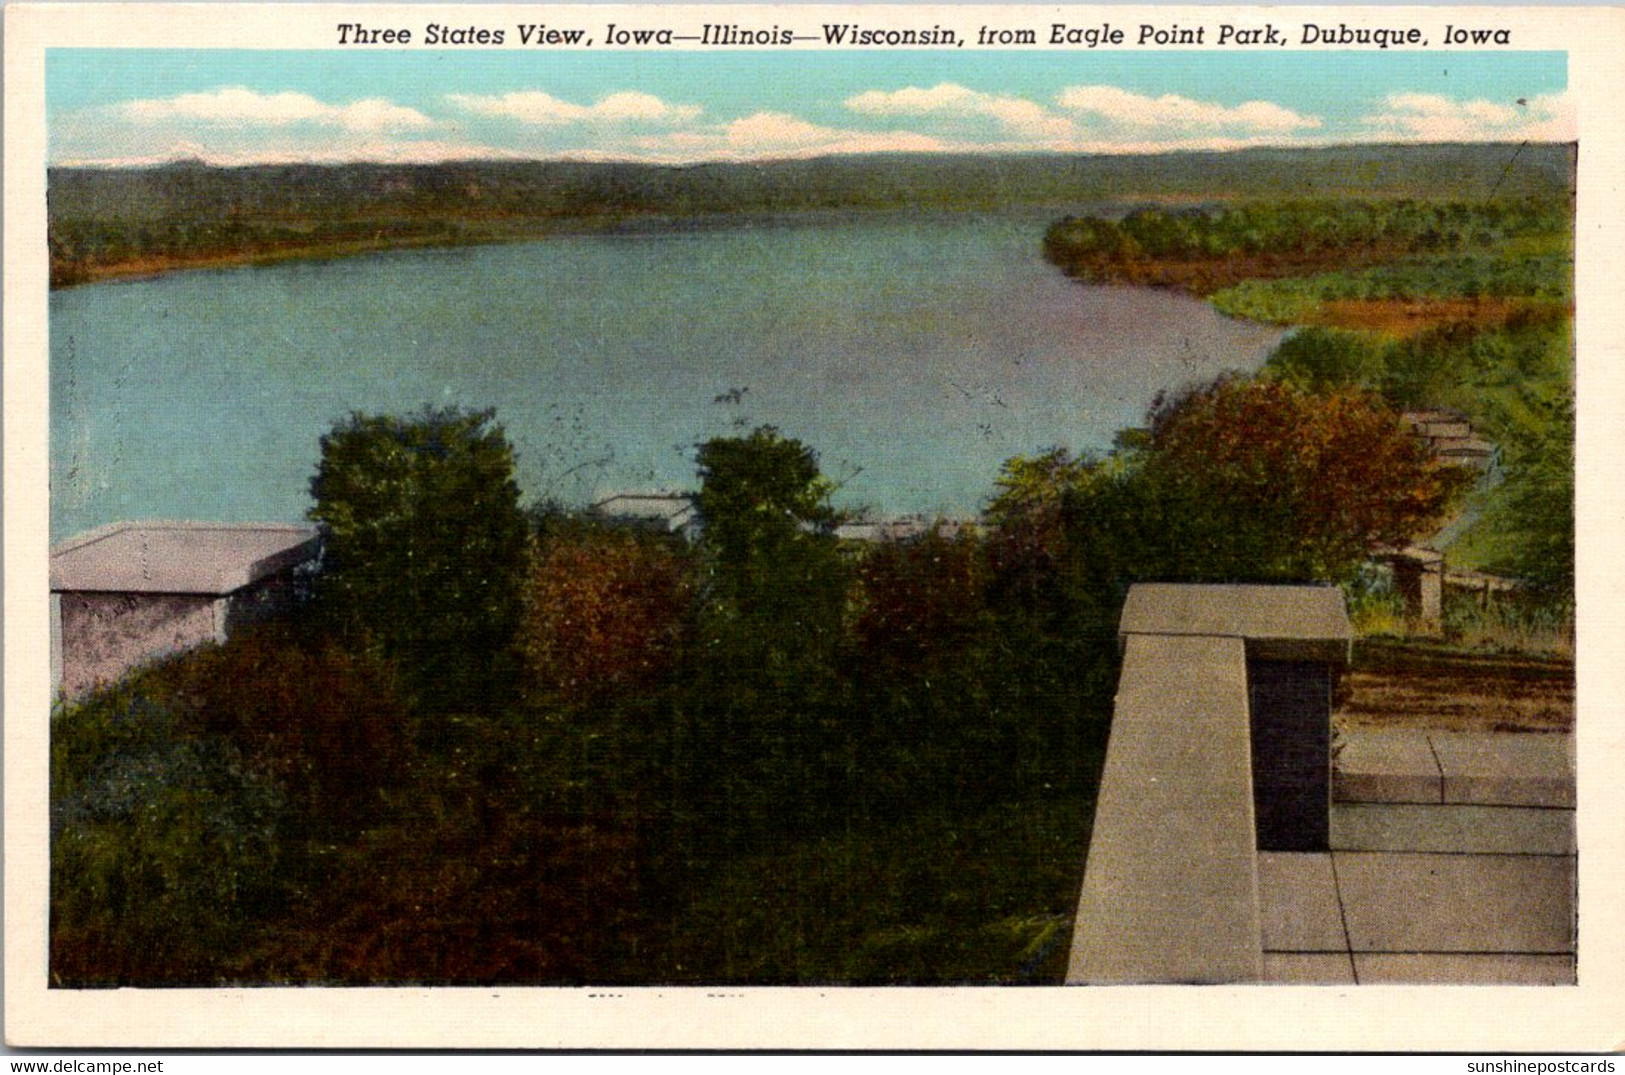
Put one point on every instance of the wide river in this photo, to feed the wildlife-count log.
(914, 352)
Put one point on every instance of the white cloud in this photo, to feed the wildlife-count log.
(777, 134)
(1027, 119)
(1428, 117)
(544, 110)
(238, 106)
(776, 129)
(1124, 109)
(770, 136)
(946, 97)
(377, 114)
(332, 151)
(1103, 119)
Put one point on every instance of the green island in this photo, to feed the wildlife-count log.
(517, 744)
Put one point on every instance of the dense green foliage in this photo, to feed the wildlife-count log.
(1534, 507)
(423, 544)
(164, 845)
(1235, 481)
(765, 713)
(1285, 227)
(1476, 370)
(606, 613)
(931, 897)
(267, 811)
(1534, 279)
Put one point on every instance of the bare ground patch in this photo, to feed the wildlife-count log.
(1410, 317)
(1409, 685)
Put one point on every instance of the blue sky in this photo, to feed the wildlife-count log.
(130, 106)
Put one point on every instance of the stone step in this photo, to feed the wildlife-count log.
(1496, 769)
(1462, 829)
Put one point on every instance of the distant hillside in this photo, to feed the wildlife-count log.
(107, 222)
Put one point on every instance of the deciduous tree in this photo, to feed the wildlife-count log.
(1285, 484)
(424, 545)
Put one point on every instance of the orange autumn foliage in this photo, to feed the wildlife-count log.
(1332, 476)
(604, 613)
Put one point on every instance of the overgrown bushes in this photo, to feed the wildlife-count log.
(681, 723)
(164, 846)
(1515, 383)
(606, 612)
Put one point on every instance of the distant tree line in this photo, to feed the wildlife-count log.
(149, 219)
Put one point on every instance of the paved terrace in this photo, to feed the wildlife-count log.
(1447, 858)
(1452, 860)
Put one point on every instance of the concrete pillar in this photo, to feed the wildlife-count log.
(1220, 747)
(1430, 601)
(1419, 577)
(220, 611)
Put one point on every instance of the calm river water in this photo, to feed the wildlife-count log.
(915, 352)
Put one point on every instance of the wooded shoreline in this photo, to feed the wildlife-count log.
(110, 223)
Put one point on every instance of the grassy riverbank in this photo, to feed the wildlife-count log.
(106, 252)
(1393, 267)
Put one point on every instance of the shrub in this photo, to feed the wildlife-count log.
(922, 602)
(777, 580)
(605, 613)
(327, 722)
(763, 694)
(1319, 359)
(452, 900)
(165, 847)
(1535, 503)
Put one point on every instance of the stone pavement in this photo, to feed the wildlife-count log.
(1452, 860)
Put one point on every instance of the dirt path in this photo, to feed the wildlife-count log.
(1419, 686)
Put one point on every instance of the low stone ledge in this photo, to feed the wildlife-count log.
(1387, 767)
(1277, 623)
(1507, 770)
(1465, 768)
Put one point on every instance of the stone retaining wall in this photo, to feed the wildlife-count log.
(1222, 719)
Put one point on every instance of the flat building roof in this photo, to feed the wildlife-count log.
(178, 557)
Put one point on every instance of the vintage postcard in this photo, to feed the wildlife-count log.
(813, 526)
